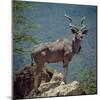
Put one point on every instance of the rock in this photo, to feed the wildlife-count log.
(51, 85)
(56, 87)
(56, 80)
(72, 88)
(46, 86)
(57, 77)
(62, 83)
(24, 80)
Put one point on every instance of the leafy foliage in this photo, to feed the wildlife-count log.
(88, 81)
(22, 26)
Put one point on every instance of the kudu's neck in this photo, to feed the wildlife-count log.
(76, 46)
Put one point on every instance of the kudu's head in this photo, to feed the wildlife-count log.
(79, 32)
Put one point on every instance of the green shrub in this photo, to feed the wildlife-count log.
(88, 81)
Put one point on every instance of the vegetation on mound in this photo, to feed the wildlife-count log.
(88, 81)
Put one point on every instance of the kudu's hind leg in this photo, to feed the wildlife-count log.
(36, 80)
(37, 77)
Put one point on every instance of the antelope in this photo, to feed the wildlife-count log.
(61, 50)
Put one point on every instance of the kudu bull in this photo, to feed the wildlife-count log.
(60, 50)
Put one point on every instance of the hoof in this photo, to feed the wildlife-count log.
(31, 64)
(65, 82)
(38, 92)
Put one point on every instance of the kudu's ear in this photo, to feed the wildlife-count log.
(74, 29)
(85, 31)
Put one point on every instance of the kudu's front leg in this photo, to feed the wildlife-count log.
(65, 66)
(31, 59)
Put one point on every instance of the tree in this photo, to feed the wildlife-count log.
(22, 26)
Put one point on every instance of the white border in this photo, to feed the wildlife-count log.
(83, 2)
(5, 48)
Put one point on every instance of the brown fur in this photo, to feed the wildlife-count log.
(62, 50)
